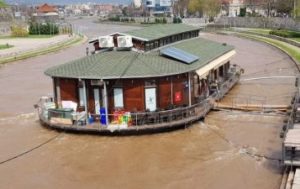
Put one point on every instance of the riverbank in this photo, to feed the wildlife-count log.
(287, 46)
(31, 47)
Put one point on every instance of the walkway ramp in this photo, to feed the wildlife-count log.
(251, 107)
(296, 181)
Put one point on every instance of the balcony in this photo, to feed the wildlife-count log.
(134, 122)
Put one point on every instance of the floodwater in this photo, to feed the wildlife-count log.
(228, 150)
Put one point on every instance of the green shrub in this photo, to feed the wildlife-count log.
(177, 20)
(285, 33)
(19, 31)
(160, 20)
(114, 19)
(242, 12)
(43, 29)
(124, 19)
(164, 20)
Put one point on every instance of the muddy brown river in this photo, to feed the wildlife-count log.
(230, 149)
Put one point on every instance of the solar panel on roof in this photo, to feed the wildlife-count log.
(179, 54)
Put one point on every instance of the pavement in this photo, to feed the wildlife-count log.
(23, 45)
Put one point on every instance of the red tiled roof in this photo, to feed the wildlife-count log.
(45, 8)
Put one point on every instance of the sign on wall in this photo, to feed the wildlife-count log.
(178, 96)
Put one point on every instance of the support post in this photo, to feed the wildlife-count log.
(54, 91)
(172, 90)
(85, 101)
(58, 96)
(105, 102)
(190, 95)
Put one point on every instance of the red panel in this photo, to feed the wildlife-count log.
(68, 89)
(164, 96)
(134, 95)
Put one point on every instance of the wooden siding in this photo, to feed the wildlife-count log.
(138, 44)
(164, 92)
(68, 89)
(179, 86)
(90, 97)
(149, 45)
(133, 93)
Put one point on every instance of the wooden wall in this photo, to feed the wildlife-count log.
(179, 87)
(90, 96)
(68, 89)
(138, 44)
(164, 92)
(133, 91)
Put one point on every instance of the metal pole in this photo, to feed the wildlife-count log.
(190, 95)
(58, 97)
(171, 89)
(105, 102)
(295, 9)
(85, 101)
(54, 91)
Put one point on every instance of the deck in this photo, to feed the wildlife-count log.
(144, 122)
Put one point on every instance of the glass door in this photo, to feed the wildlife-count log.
(150, 98)
(97, 101)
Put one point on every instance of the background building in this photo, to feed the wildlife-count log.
(159, 7)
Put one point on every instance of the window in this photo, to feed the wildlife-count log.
(81, 97)
(118, 97)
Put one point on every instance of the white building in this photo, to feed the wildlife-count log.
(137, 3)
(235, 7)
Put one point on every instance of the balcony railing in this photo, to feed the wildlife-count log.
(178, 115)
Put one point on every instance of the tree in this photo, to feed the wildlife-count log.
(296, 8)
(2, 4)
(195, 6)
(212, 8)
(284, 7)
(180, 6)
(209, 7)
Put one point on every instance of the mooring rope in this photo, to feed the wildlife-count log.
(253, 155)
(30, 150)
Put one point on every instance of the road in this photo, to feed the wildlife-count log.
(218, 153)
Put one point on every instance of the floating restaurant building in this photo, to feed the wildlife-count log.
(161, 77)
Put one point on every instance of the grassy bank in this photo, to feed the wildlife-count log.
(50, 49)
(29, 37)
(291, 50)
(6, 46)
(266, 32)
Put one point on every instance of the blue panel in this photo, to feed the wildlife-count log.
(179, 54)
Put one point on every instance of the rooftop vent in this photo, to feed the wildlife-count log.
(125, 41)
(106, 42)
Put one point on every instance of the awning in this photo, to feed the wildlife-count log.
(203, 72)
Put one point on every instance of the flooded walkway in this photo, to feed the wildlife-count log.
(229, 150)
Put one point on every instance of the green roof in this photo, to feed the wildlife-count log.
(158, 31)
(130, 64)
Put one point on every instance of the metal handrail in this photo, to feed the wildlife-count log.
(181, 113)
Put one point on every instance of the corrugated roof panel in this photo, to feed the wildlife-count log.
(130, 64)
(179, 54)
(157, 31)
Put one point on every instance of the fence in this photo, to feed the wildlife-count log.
(259, 22)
